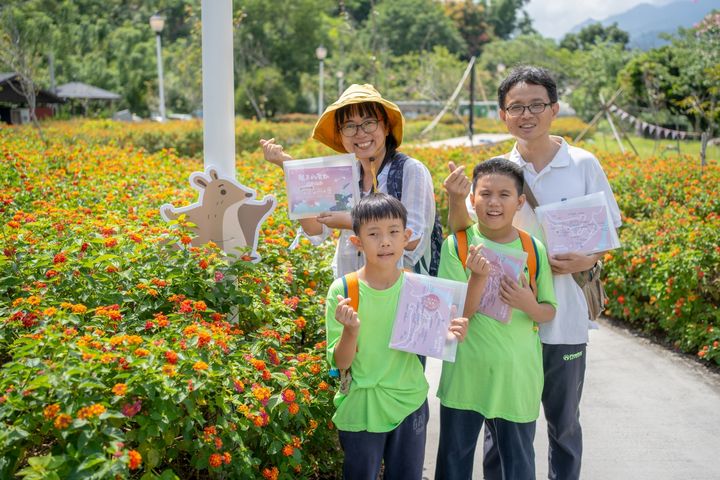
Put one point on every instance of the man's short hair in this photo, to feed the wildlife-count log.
(377, 206)
(499, 166)
(527, 74)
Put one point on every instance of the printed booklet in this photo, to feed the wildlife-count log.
(510, 264)
(427, 304)
(581, 225)
(323, 184)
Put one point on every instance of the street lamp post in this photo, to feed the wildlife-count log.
(157, 23)
(320, 53)
(340, 76)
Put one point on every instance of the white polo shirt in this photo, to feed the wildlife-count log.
(573, 172)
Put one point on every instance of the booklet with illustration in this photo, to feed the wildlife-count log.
(323, 184)
(507, 263)
(580, 225)
(427, 304)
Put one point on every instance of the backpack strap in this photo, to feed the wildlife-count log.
(528, 244)
(396, 166)
(352, 289)
(461, 246)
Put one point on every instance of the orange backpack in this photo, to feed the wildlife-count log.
(528, 244)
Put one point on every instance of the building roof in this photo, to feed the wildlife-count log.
(85, 91)
(8, 94)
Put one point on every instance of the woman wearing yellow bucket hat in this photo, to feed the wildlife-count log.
(364, 123)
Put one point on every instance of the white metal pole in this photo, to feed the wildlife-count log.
(218, 88)
(158, 49)
(320, 91)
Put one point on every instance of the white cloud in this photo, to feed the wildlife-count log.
(554, 18)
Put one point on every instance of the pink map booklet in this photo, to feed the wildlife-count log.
(427, 304)
(323, 184)
(580, 225)
(501, 264)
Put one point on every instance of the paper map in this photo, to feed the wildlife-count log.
(427, 304)
(501, 265)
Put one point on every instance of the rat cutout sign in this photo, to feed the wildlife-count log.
(226, 213)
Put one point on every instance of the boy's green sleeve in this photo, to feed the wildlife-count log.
(546, 291)
(450, 264)
(333, 328)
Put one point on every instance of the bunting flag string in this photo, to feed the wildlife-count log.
(657, 130)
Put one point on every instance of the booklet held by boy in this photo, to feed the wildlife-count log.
(580, 225)
(426, 306)
(501, 264)
(323, 184)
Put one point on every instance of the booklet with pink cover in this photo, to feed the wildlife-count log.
(580, 225)
(501, 264)
(323, 184)
(427, 304)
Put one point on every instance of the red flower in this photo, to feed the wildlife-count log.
(171, 357)
(135, 459)
(216, 460)
(130, 410)
(203, 264)
(59, 258)
(51, 273)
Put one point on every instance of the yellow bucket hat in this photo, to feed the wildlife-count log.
(325, 131)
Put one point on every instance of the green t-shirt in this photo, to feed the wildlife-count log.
(498, 368)
(387, 385)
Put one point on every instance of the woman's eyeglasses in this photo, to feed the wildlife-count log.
(534, 108)
(351, 129)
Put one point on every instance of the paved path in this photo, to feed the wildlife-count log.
(478, 139)
(647, 414)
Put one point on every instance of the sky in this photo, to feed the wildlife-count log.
(554, 18)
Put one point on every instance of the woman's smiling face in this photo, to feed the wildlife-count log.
(365, 143)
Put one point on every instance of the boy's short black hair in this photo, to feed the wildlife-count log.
(528, 74)
(377, 206)
(499, 166)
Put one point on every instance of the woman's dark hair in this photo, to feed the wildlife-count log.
(531, 75)
(377, 206)
(499, 166)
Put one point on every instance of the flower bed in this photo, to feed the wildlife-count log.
(124, 355)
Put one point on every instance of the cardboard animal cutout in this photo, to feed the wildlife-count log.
(226, 213)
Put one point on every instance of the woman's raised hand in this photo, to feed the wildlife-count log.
(273, 152)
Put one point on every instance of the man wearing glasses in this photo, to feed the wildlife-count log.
(553, 171)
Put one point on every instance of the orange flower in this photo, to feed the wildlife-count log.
(135, 459)
(91, 411)
(51, 411)
(168, 370)
(288, 450)
(216, 460)
(288, 396)
(200, 365)
(119, 389)
(293, 408)
(227, 458)
(62, 421)
(270, 473)
(141, 352)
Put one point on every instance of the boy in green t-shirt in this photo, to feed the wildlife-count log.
(497, 376)
(384, 413)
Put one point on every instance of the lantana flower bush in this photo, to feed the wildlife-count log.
(126, 352)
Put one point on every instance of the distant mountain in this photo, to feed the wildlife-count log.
(646, 22)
